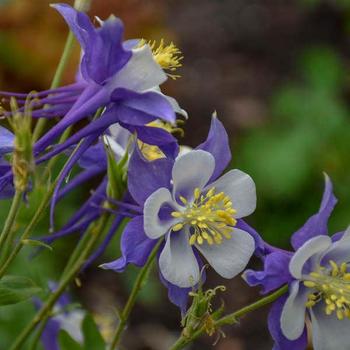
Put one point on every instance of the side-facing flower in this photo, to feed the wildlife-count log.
(318, 279)
(196, 211)
(63, 318)
(123, 77)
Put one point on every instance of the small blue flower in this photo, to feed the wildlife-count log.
(318, 279)
(62, 319)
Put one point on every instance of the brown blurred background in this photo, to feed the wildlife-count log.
(277, 74)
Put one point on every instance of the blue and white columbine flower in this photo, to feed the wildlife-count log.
(321, 290)
(318, 276)
(196, 211)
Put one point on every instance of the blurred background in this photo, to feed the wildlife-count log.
(275, 71)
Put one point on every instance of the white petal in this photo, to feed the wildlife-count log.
(231, 256)
(153, 225)
(340, 250)
(240, 187)
(141, 73)
(329, 333)
(177, 261)
(313, 248)
(293, 312)
(192, 170)
(71, 323)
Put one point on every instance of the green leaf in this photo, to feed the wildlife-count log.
(14, 289)
(67, 343)
(36, 243)
(92, 337)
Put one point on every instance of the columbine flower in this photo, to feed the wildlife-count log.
(185, 202)
(62, 319)
(123, 77)
(319, 278)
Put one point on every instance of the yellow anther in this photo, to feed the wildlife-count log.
(176, 214)
(211, 192)
(178, 227)
(199, 239)
(309, 284)
(331, 286)
(197, 193)
(193, 239)
(340, 314)
(183, 200)
(169, 57)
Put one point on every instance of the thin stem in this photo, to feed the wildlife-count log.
(132, 298)
(231, 318)
(11, 218)
(93, 233)
(35, 219)
(67, 51)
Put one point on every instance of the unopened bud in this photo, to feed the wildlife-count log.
(22, 161)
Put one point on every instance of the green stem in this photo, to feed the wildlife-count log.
(93, 233)
(67, 51)
(132, 298)
(231, 318)
(35, 219)
(11, 218)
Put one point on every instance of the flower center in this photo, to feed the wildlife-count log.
(333, 287)
(210, 216)
(169, 57)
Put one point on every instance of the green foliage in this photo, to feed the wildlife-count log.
(14, 289)
(286, 157)
(92, 336)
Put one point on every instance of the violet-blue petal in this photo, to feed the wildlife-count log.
(218, 145)
(317, 224)
(102, 247)
(92, 98)
(178, 296)
(158, 137)
(135, 246)
(274, 324)
(142, 106)
(96, 127)
(78, 180)
(274, 274)
(104, 62)
(95, 156)
(6, 141)
(260, 245)
(145, 177)
(66, 170)
(49, 337)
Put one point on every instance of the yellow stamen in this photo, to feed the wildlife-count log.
(169, 57)
(210, 216)
(332, 286)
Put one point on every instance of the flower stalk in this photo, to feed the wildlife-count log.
(229, 319)
(93, 235)
(140, 280)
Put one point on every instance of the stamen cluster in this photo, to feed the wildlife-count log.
(333, 287)
(210, 217)
(169, 57)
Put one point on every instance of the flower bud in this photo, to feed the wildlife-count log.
(22, 160)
